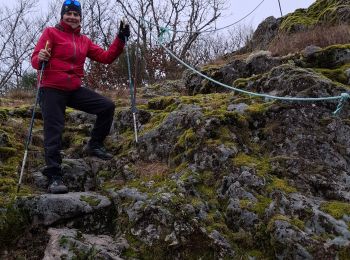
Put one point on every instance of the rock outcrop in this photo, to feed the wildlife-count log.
(215, 174)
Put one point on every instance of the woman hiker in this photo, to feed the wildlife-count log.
(61, 86)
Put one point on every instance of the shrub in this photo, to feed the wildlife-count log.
(286, 43)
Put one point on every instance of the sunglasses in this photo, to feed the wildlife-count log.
(68, 2)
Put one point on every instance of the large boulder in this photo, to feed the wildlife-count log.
(51, 208)
(71, 244)
(263, 35)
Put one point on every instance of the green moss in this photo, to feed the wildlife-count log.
(299, 17)
(207, 192)
(262, 164)
(279, 184)
(256, 254)
(91, 200)
(7, 185)
(3, 115)
(130, 253)
(187, 138)
(344, 253)
(337, 75)
(155, 121)
(298, 223)
(161, 103)
(217, 222)
(262, 204)
(105, 174)
(245, 204)
(336, 208)
(259, 108)
(209, 102)
(8, 137)
(210, 67)
(271, 223)
(258, 207)
(69, 110)
(108, 185)
(13, 223)
(9, 170)
(242, 83)
(243, 239)
(7, 152)
(160, 181)
(322, 11)
(330, 58)
(184, 148)
(76, 139)
(295, 222)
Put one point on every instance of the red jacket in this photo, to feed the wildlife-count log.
(69, 49)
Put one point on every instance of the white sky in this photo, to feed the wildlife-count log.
(237, 9)
(240, 8)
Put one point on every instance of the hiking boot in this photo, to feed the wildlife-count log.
(56, 186)
(97, 150)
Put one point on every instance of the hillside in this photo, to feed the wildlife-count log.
(216, 174)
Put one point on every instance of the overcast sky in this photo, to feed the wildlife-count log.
(240, 8)
(237, 9)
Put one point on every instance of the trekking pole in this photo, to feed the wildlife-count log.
(132, 96)
(137, 76)
(30, 130)
(279, 3)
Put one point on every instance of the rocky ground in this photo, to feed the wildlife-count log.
(215, 174)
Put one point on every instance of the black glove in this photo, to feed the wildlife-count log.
(124, 31)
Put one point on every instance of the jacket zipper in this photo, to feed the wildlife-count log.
(74, 58)
(75, 51)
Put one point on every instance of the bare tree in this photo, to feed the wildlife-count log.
(186, 18)
(99, 23)
(211, 46)
(17, 40)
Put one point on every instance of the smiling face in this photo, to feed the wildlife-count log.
(72, 18)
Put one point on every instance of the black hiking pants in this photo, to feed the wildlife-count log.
(53, 104)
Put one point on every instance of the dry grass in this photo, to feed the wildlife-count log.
(320, 36)
(118, 93)
(18, 97)
(152, 170)
(122, 96)
(227, 58)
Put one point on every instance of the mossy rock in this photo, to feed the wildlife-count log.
(280, 184)
(337, 75)
(3, 115)
(7, 152)
(26, 111)
(187, 138)
(13, 223)
(9, 166)
(155, 121)
(258, 207)
(322, 12)
(331, 57)
(336, 208)
(91, 200)
(262, 164)
(161, 103)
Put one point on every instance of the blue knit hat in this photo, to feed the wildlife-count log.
(71, 5)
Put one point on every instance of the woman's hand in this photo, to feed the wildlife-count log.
(44, 55)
